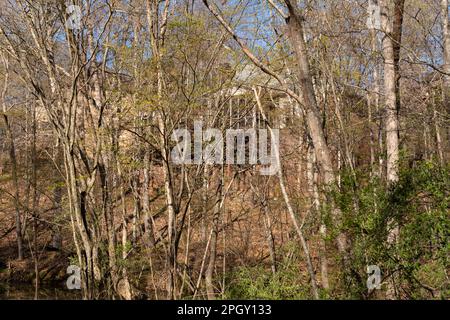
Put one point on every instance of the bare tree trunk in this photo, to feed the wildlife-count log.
(315, 208)
(157, 24)
(269, 235)
(13, 159)
(209, 273)
(437, 129)
(397, 32)
(148, 223)
(374, 105)
(108, 216)
(391, 52)
(390, 88)
(77, 210)
(446, 37)
(12, 156)
(446, 82)
(287, 201)
(323, 156)
(34, 203)
(371, 135)
(204, 203)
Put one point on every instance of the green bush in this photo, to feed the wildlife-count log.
(259, 282)
(419, 205)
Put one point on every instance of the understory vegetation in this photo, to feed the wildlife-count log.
(241, 149)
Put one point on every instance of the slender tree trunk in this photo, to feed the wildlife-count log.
(108, 216)
(77, 209)
(269, 235)
(397, 32)
(209, 273)
(446, 37)
(13, 159)
(374, 105)
(391, 52)
(323, 155)
(148, 223)
(157, 26)
(446, 82)
(34, 201)
(287, 201)
(390, 88)
(315, 208)
(437, 129)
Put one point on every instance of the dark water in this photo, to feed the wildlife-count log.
(26, 291)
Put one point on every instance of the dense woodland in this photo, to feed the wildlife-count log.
(359, 91)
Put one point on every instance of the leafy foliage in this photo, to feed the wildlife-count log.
(419, 205)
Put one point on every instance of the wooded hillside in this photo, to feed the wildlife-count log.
(241, 149)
